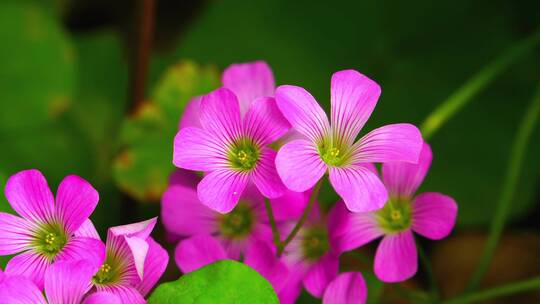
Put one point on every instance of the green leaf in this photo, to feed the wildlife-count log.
(37, 65)
(224, 282)
(97, 111)
(144, 162)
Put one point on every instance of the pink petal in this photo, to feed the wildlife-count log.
(249, 81)
(90, 250)
(291, 288)
(353, 98)
(360, 189)
(221, 189)
(190, 117)
(29, 195)
(20, 290)
(349, 230)
(434, 215)
(290, 205)
(265, 175)
(321, 274)
(396, 259)
(303, 112)
(196, 149)
(264, 122)
(197, 251)
(88, 230)
(262, 258)
(30, 265)
(16, 234)
(140, 229)
(220, 115)
(125, 293)
(348, 287)
(299, 165)
(402, 179)
(183, 214)
(139, 250)
(102, 297)
(154, 266)
(67, 282)
(390, 143)
(76, 199)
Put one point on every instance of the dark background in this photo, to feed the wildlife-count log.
(65, 83)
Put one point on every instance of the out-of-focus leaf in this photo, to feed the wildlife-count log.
(98, 107)
(144, 162)
(4, 205)
(374, 286)
(37, 65)
(224, 282)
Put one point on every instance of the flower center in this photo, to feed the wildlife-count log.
(315, 243)
(105, 275)
(50, 239)
(244, 155)
(237, 223)
(395, 216)
(111, 271)
(333, 155)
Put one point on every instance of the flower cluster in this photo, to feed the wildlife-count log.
(58, 250)
(264, 152)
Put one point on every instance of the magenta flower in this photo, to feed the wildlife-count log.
(301, 163)
(233, 151)
(231, 143)
(184, 216)
(347, 287)
(66, 282)
(429, 214)
(133, 264)
(312, 258)
(45, 232)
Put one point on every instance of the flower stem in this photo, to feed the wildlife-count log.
(303, 218)
(509, 188)
(434, 290)
(455, 102)
(272, 220)
(495, 292)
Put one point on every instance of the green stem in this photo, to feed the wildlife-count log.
(509, 188)
(303, 218)
(495, 292)
(434, 290)
(271, 218)
(479, 81)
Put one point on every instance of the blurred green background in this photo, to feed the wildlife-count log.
(64, 92)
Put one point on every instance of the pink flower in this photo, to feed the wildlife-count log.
(301, 163)
(45, 232)
(184, 216)
(347, 287)
(429, 214)
(65, 282)
(312, 258)
(133, 264)
(231, 143)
